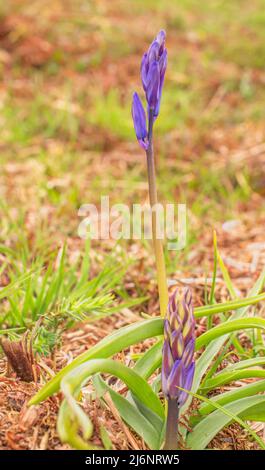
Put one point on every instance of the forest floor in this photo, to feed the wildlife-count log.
(68, 70)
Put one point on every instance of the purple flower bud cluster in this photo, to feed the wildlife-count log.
(178, 351)
(153, 70)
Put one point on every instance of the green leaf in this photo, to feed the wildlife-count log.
(226, 276)
(152, 417)
(150, 361)
(230, 376)
(212, 298)
(130, 414)
(112, 344)
(67, 427)
(228, 327)
(106, 441)
(15, 312)
(233, 395)
(12, 287)
(233, 294)
(213, 348)
(135, 333)
(206, 429)
(10, 330)
(211, 301)
(207, 310)
(254, 413)
(85, 267)
(256, 361)
(73, 380)
(259, 284)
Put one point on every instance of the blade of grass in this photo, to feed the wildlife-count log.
(231, 376)
(205, 431)
(212, 299)
(233, 395)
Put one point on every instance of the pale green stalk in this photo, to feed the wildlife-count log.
(157, 242)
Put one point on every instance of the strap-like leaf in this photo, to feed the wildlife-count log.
(72, 383)
(214, 347)
(205, 431)
(233, 395)
(231, 376)
(107, 347)
(130, 414)
(228, 327)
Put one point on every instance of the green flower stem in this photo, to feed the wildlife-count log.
(171, 441)
(157, 242)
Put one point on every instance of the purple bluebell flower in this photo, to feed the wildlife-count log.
(153, 70)
(139, 120)
(178, 351)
